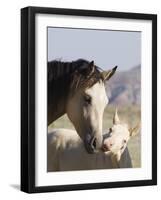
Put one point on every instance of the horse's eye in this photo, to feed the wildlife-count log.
(124, 141)
(87, 99)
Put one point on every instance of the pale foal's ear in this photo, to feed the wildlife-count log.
(134, 131)
(116, 119)
(108, 74)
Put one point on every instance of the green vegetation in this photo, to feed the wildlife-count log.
(129, 114)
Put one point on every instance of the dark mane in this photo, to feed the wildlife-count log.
(57, 68)
(67, 77)
(63, 76)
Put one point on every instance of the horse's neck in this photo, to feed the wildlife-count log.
(55, 112)
(57, 106)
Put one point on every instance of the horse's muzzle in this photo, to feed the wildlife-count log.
(91, 144)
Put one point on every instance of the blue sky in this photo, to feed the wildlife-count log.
(106, 48)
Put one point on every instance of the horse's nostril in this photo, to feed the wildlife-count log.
(90, 146)
(93, 143)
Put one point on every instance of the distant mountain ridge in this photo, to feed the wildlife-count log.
(124, 88)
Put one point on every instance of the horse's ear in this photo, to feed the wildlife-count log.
(134, 131)
(108, 74)
(90, 69)
(91, 64)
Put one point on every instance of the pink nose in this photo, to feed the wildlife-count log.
(109, 143)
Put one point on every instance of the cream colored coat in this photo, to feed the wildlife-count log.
(66, 152)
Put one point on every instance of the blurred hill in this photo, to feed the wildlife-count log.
(124, 88)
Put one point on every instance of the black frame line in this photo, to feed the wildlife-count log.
(28, 98)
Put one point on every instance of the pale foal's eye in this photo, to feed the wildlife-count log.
(124, 141)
